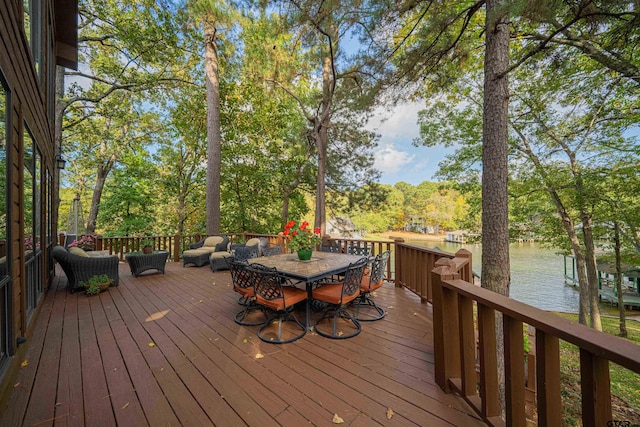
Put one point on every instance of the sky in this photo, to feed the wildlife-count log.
(396, 156)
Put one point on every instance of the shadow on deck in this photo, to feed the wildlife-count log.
(164, 350)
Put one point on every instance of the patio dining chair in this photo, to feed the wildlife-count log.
(276, 293)
(338, 295)
(365, 308)
(363, 250)
(330, 246)
(271, 249)
(243, 283)
(243, 253)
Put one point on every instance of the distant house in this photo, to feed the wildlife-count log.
(35, 37)
(339, 226)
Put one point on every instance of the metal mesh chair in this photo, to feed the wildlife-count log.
(338, 295)
(272, 250)
(364, 250)
(243, 253)
(274, 292)
(365, 308)
(243, 283)
(326, 246)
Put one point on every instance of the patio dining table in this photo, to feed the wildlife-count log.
(321, 265)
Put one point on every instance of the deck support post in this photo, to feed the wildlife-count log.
(446, 338)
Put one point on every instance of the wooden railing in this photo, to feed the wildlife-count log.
(413, 266)
(466, 361)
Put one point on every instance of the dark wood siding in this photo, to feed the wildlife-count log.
(29, 104)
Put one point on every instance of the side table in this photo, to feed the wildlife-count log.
(140, 262)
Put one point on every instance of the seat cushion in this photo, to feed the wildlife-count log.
(367, 286)
(195, 252)
(332, 293)
(291, 296)
(252, 242)
(245, 292)
(220, 254)
(78, 251)
(212, 242)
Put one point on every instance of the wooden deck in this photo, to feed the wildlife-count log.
(164, 350)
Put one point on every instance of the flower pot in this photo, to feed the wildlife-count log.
(304, 254)
(147, 250)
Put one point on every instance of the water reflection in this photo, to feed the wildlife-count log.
(537, 274)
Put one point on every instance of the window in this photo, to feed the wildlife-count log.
(33, 30)
(5, 288)
(32, 222)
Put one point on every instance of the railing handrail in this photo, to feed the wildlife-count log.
(618, 350)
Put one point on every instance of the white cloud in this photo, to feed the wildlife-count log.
(401, 123)
(389, 160)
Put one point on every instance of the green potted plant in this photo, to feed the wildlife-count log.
(97, 284)
(302, 239)
(147, 246)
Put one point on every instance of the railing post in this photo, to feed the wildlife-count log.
(61, 239)
(398, 268)
(177, 243)
(280, 241)
(446, 344)
(467, 271)
(98, 242)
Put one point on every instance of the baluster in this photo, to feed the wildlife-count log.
(489, 391)
(596, 389)
(548, 379)
(468, 350)
(514, 371)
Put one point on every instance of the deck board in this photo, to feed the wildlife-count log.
(163, 349)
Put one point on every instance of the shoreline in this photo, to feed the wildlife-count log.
(406, 235)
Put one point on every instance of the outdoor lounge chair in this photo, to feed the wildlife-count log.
(80, 268)
(200, 252)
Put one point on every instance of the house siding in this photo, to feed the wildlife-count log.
(28, 104)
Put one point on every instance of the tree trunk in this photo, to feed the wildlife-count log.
(101, 178)
(182, 211)
(592, 272)
(617, 245)
(322, 142)
(495, 210)
(495, 224)
(583, 281)
(214, 143)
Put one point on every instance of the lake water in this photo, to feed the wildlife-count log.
(537, 274)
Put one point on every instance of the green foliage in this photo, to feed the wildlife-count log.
(96, 284)
(127, 206)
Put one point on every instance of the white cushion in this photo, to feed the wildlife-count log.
(196, 252)
(220, 254)
(212, 241)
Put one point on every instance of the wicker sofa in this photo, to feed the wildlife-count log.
(79, 268)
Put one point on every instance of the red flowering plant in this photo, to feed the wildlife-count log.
(301, 236)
